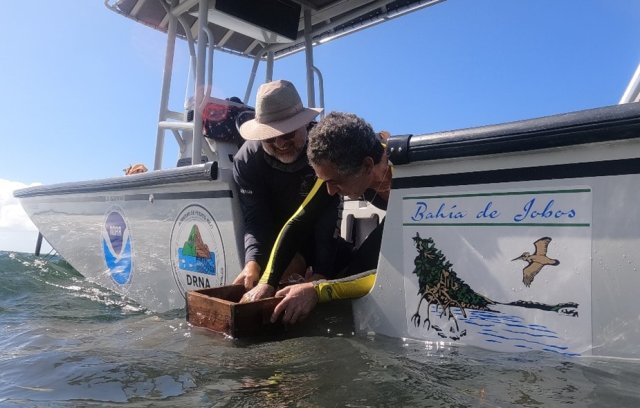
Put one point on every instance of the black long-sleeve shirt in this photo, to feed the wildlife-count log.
(270, 193)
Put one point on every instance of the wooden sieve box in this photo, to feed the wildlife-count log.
(218, 309)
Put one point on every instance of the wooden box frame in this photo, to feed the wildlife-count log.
(218, 309)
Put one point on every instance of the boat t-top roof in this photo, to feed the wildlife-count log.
(252, 28)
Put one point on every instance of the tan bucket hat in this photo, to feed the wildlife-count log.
(279, 110)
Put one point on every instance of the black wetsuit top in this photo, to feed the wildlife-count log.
(360, 273)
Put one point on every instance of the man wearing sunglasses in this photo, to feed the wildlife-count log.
(274, 177)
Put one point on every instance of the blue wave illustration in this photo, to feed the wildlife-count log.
(478, 324)
(197, 264)
(533, 334)
(511, 330)
(120, 267)
(562, 353)
(497, 336)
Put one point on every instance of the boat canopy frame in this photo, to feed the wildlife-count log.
(317, 22)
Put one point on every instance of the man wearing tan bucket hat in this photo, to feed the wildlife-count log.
(274, 176)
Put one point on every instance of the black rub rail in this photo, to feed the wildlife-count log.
(609, 123)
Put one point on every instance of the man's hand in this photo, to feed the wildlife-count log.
(299, 300)
(261, 291)
(249, 276)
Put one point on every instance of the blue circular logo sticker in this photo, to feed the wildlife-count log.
(116, 245)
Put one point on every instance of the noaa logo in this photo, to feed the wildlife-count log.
(197, 253)
(116, 245)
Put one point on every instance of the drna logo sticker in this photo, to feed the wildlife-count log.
(116, 245)
(197, 253)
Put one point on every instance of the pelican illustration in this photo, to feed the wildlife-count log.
(537, 261)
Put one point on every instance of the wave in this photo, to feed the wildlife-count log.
(33, 285)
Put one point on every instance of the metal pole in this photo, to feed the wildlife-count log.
(38, 244)
(632, 93)
(269, 76)
(252, 78)
(210, 42)
(308, 48)
(166, 87)
(196, 155)
(320, 89)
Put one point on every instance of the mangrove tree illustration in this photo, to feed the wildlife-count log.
(439, 285)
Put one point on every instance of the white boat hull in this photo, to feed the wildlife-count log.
(127, 233)
(480, 211)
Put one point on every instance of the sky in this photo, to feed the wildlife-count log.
(80, 85)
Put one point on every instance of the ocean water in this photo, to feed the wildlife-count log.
(65, 342)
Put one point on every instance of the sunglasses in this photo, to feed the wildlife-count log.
(284, 138)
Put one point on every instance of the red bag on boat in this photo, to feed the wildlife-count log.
(219, 118)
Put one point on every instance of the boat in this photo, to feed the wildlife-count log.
(512, 237)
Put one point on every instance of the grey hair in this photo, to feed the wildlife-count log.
(344, 140)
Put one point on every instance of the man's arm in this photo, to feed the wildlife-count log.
(258, 224)
(255, 207)
(299, 300)
(349, 287)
